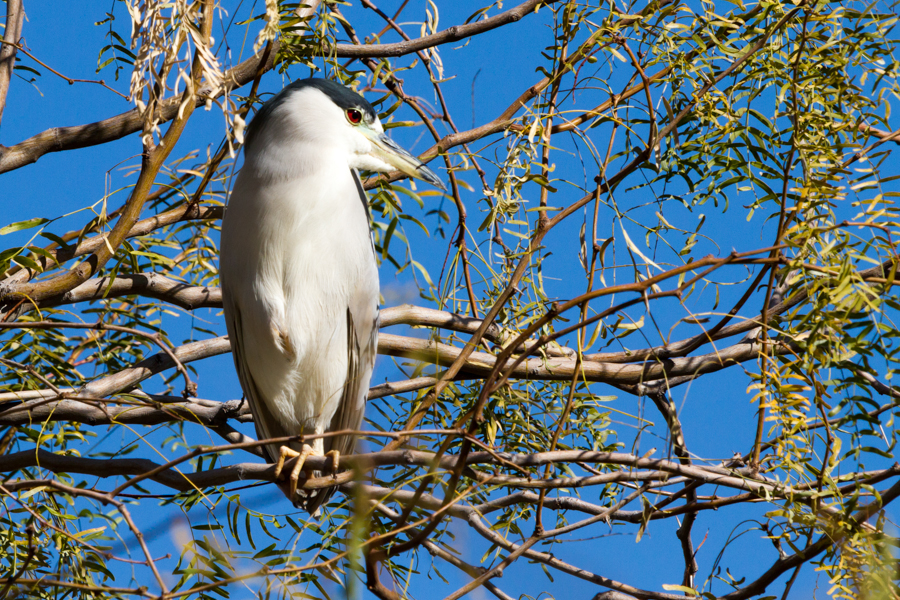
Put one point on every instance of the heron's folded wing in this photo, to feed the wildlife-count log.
(362, 342)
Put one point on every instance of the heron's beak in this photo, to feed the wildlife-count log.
(387, 150)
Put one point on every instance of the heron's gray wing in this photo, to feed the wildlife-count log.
(362, 343)
(266, 425)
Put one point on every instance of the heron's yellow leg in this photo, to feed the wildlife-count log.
(287, 452)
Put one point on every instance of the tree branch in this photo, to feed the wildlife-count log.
(151, 285)
(562, 369)
(15, 13)
(447, 36)
(140, 411)
(477, 364)
(739, 479)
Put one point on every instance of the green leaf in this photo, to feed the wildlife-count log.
(21, 225)
(680, 588)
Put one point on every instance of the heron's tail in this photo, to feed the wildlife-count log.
(312, 500)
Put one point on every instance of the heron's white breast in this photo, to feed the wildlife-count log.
(296, 253)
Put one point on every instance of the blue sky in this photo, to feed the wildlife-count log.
(494, 68)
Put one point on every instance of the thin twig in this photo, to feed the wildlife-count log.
(57, 73)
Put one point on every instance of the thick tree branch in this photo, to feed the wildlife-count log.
(151, 285)
(477, 364)
(60, 139)
(562, 369)
(127, 378)
(190, 297)
(738, 479)
(140, 411)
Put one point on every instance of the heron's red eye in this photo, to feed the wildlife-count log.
(354, 116)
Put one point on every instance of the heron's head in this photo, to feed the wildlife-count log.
(313, 115)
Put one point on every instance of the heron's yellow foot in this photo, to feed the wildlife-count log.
(287, 452)
(335, 461)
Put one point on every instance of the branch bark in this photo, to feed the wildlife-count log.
(562, 369)
(151, 285)
(141, 411)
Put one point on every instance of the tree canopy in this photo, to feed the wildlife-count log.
(643, 347)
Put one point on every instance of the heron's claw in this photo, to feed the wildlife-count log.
(288, 452)
(284, 452)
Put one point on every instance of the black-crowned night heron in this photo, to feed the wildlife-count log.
(298, 270)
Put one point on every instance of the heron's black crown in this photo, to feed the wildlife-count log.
(341, 95)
